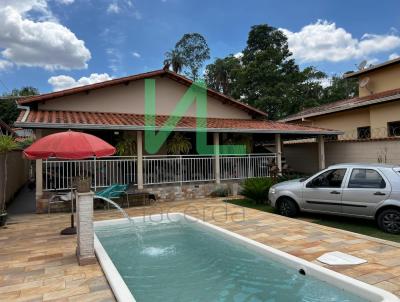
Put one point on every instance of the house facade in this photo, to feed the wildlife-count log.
(370, 122)
(116, 109)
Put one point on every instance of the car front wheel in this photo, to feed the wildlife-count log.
(389, 221)
(287, 207)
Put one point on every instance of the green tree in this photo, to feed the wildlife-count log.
(7, 144)
(8, 106)
(175, 59)
(308, 92)
(340, 88)
(194, 50)
(223, 75)
(270, 76)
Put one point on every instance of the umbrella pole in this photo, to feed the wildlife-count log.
(72, 229)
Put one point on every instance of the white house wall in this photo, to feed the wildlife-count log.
(130, 99)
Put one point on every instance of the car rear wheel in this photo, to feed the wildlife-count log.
(389, 221)
(287, 207)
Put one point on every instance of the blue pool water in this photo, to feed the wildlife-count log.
(188, 262)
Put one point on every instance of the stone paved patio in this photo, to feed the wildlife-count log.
(38, 264)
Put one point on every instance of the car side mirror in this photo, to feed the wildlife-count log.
(310, 184)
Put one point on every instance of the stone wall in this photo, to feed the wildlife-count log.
(172, 192)
(164, 192)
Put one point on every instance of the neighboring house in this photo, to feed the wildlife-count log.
(6, 129)
(370, 122)
(115, 109)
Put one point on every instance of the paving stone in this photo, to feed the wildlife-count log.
(41, 265)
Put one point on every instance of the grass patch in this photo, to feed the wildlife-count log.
(251, 204)
(361, 226)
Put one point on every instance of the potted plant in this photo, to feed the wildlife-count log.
(7, 144)
(126, 146)
(178, 144)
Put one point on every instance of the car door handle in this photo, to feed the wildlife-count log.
(335, 192)
(379, 193)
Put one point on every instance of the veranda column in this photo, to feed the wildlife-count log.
(216, 156)
(278, 146)
(139, 151)
(321, 152)
(84, 213)
(39, 172)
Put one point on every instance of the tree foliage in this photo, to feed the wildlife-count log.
(8, 107)
(267, 77)
(189, 55)
(174, 59)
(223, 76)
(339, 89)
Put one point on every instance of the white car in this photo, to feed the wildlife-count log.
(370, 191)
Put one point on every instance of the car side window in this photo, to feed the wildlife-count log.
(366, 179)
(329, 179)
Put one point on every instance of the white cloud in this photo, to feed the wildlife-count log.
(125, 6)
(394, 56)
(62, 82)
(114, 59)
(24, 6)
(45, 44)
(66, 2)
(238, 55)
(325, 82)
(5, 65)
(136, 54)
(323, 41)
(113, 8)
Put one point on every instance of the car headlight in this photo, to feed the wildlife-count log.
(272, 190)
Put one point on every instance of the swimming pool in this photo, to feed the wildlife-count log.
(179, 258)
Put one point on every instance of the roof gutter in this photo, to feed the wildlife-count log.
(131, 127)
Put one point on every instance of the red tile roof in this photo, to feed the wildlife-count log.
(347, 104)
(172, 75)
(101, 120)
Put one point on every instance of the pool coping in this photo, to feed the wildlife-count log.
(359, 288)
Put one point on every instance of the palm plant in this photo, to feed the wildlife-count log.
(178, 144)
(238, 139)
(175, 59)
(126, 146)
(7, 144)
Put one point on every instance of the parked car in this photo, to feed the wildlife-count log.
(370, 191)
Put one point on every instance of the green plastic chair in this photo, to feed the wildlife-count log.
(112, 192)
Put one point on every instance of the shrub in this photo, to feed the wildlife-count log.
(257, 189)
(220, 192)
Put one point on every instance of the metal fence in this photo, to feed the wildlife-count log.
(163, 169)
(58, 174)
(177, 169)
(246, 166)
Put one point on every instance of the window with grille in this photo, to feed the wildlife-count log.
(364, 132)
(394, 128)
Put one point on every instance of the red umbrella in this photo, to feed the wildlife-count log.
(69, 145)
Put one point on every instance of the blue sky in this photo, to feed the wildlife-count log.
(56, 44)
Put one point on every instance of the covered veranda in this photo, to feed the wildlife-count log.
(263, 157)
